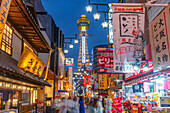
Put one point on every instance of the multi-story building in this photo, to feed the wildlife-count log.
(21, 66)
(56, 36)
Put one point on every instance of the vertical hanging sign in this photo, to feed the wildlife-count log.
(102, 81)
(110, 24)
(160, 40)
(4, 9)
(128, 33)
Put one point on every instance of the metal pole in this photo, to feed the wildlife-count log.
(54, 78)
(138, 5)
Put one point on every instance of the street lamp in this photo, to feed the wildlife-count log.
(89, 8)
(71, 46)
(96, 16)
(76, 41)
(65, 51)
(104, 24)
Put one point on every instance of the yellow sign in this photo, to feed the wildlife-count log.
(155, 96)
(30, 62)
(4, 9)
(103, 81)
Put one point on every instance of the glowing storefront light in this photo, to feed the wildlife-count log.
(83, 49)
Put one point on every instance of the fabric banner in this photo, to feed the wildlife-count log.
(160, 39)
(103, 81)
(128, 33)
(4, 9)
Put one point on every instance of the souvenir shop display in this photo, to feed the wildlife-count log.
(117, 105)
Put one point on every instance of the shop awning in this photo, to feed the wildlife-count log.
(146, 78)
(9, 69)
(21, 19)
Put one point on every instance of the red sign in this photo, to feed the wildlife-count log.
(86, 80)
(104, 61)
(128, 9)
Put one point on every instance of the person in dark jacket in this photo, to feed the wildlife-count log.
(81, 102)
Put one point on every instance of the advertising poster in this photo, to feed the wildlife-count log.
(160, 39)
(128, 33)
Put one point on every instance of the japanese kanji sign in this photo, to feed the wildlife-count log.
(4, 9)
(128, 32)
(102, 81)
(31, 62)
(160, 40)
(105, 61)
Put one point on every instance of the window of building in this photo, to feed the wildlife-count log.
(6, 44)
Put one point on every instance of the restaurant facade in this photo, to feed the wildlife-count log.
(25, 52)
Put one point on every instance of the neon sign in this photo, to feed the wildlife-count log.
(83, 49)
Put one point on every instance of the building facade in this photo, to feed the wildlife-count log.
(22, 48)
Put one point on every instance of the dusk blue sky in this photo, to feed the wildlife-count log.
(66, 13)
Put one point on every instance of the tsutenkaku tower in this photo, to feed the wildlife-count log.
(83, 59)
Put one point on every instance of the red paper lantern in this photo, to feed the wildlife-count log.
(113, 110)
(115, 101)
(121, 98)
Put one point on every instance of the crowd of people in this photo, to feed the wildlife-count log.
(87, 105)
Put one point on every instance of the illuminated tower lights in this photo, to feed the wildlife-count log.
(83, 59)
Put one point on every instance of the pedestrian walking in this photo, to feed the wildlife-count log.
(74, 108)
(94, 106)
(69, 105)
(81, 102)
(100, 106)
(63, 108)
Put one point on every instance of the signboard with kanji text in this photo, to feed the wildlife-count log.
(104, 61)
(102, 81)
(160, 40)
(4, 9)
(128, 33)
(30, 62)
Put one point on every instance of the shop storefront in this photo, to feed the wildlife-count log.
(22, 79)
(146, 92)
